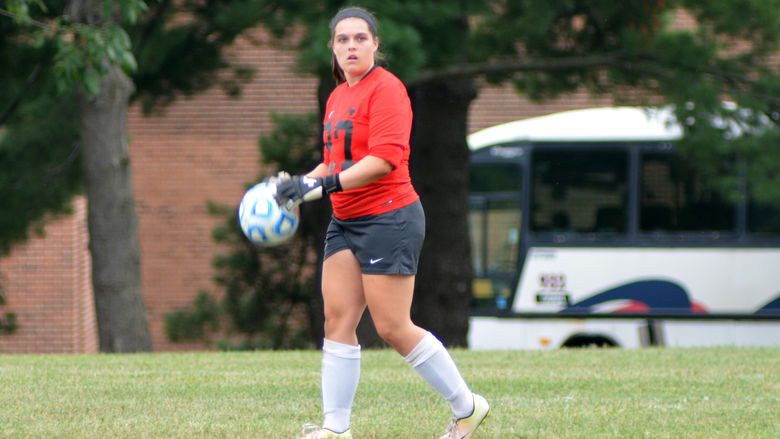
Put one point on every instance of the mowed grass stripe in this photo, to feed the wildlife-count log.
(583, 393)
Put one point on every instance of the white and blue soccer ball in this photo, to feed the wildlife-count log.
(263, 220)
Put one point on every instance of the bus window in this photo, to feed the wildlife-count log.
(579, 191)
(674, 198)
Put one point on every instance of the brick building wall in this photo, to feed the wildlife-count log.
(47, 282)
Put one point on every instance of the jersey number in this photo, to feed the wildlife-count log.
(346, 127)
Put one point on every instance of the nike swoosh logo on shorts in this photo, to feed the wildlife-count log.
(374, 261)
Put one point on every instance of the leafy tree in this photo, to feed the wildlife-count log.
(68, 98)
(37, 174)
(79, 58)
(195, 324)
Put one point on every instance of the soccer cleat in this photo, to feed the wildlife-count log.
(315, 432)
(464, 428)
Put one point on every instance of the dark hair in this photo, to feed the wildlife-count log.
(350, 12)
(353, 12)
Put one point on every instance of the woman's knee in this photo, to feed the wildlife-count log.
(340, 322)
(393, 332)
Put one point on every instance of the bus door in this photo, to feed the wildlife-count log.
(495, 223)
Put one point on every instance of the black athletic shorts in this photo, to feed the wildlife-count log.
(388, 243)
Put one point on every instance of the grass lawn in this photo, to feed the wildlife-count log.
(585, 393)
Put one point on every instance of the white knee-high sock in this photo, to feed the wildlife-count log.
(340, 376)
(432, 361)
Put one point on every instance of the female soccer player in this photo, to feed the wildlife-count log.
(374, 238)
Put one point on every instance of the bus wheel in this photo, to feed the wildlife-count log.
(588, 341)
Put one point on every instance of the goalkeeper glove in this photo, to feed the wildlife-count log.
(294, 190)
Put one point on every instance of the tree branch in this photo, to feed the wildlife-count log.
(23, 18)
(735, 80)
(651, 66)
(513, 66)
(157, 16)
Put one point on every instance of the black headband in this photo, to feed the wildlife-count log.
(354, 13)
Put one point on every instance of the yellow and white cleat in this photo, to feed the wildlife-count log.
(464, 428)
(315, 432)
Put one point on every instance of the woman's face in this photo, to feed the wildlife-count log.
(354, 47)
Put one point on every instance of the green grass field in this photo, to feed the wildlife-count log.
(588, 393)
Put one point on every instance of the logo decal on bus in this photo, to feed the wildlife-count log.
(651, 296)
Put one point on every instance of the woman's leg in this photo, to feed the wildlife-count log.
(342, 293)
(389, 299)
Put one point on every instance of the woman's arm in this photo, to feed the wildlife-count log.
(315, 184)
(363, 172)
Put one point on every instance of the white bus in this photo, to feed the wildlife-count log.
(587, 229)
